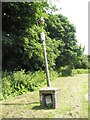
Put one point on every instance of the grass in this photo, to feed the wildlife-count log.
(72, 101)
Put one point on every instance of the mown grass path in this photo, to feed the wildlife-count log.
(72, 101)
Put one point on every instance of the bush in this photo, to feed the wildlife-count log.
(19, 82)
(65, 71)
(53, 74)
(79, 71)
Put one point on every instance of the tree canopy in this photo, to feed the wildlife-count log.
(21, 43)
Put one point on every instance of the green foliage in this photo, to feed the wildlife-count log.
(21, 42)
(53, 74)
(88, 61)
(69, 53)
(79, 71)
(22, 46)
(19, 82)
(82, 60)
(65, 71)
(68, 71)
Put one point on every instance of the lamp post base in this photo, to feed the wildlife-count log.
(49, 97)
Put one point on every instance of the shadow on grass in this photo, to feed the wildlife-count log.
(35, 104)
(20, 103)
(38, 107)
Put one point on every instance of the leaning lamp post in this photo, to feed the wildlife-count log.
(48, 95)
(44, 51)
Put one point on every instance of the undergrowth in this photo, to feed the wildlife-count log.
(19, 82)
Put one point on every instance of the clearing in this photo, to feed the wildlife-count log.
(73, 102)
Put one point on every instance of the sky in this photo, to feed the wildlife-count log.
(77, 13)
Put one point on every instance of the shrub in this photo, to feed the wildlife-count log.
(18, 82)
(65, 71)
(79, 71)
(53, 74)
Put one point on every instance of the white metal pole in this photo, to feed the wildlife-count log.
(45, 57)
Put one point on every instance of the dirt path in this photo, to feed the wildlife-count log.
(72, 101)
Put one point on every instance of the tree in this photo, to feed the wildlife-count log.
(21, 42)
(63, 31)
(22, 47)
